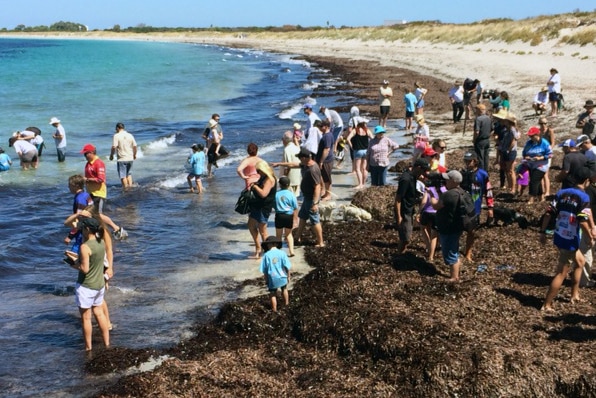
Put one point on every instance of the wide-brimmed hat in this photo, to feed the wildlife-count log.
(212, 123)
(419, 118)
(511, 117)
(379, 130)
(88, 148)
(533, 131)
(54, 120)
(501, 114)
(589, 104)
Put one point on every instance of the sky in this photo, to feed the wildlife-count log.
(104, 14)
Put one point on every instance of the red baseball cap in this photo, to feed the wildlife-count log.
(88, 148)
(533, 131)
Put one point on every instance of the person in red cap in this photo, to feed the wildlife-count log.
(536, 154)
(95, 176)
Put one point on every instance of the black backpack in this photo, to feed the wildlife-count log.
(469, 220)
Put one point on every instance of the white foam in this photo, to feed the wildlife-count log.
(161, 143)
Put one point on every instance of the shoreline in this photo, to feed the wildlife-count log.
(366, 321)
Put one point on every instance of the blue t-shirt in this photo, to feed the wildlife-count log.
(4, 162)
(285, 202)
(542, 148)
(81, 200)
(327, 141)
(410, 101)
(570, 207)
(275, 264)
(197, 163)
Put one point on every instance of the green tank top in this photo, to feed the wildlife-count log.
(94, 278)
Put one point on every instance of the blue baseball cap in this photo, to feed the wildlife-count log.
(379, 129)
(568, 143)
(307, 106)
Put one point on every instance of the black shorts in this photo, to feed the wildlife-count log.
(409, 114)
(384, 109)
(284, 220)
(429, 219)
(553, 97)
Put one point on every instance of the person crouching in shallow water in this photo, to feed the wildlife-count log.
(275, 267)
(571, 208)
(90, 286)
(450, 229)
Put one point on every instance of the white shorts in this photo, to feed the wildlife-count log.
(87, 298)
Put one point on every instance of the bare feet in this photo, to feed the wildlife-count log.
(546, 308)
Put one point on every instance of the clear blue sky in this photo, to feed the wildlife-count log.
(104, 14)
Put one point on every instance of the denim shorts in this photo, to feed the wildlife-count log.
(124, 169)
(360, 153)
(261, 215)
(306, 213)
(450, 247)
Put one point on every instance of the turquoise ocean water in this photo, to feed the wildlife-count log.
(182, 251)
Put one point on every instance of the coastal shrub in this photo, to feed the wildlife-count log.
(584, 37)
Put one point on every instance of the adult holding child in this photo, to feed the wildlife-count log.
(421, 137)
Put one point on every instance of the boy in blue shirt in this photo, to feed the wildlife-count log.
(275, 266)
(5, 161)
(286, 211)
(197, 165)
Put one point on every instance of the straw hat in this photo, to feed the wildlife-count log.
(501, 114)
(419, 118)
(511, 117)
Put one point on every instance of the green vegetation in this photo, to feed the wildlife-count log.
(577, 28)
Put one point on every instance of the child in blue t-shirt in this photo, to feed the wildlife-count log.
(275, 266)
(82, 199)
(197, 165)
(286, 211)
(5, 161)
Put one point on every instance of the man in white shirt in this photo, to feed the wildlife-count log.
(312, 117)
(313, 136)
(456, 96)
(59, 137)
(336, 122)
(125, 147)
(540, 101)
